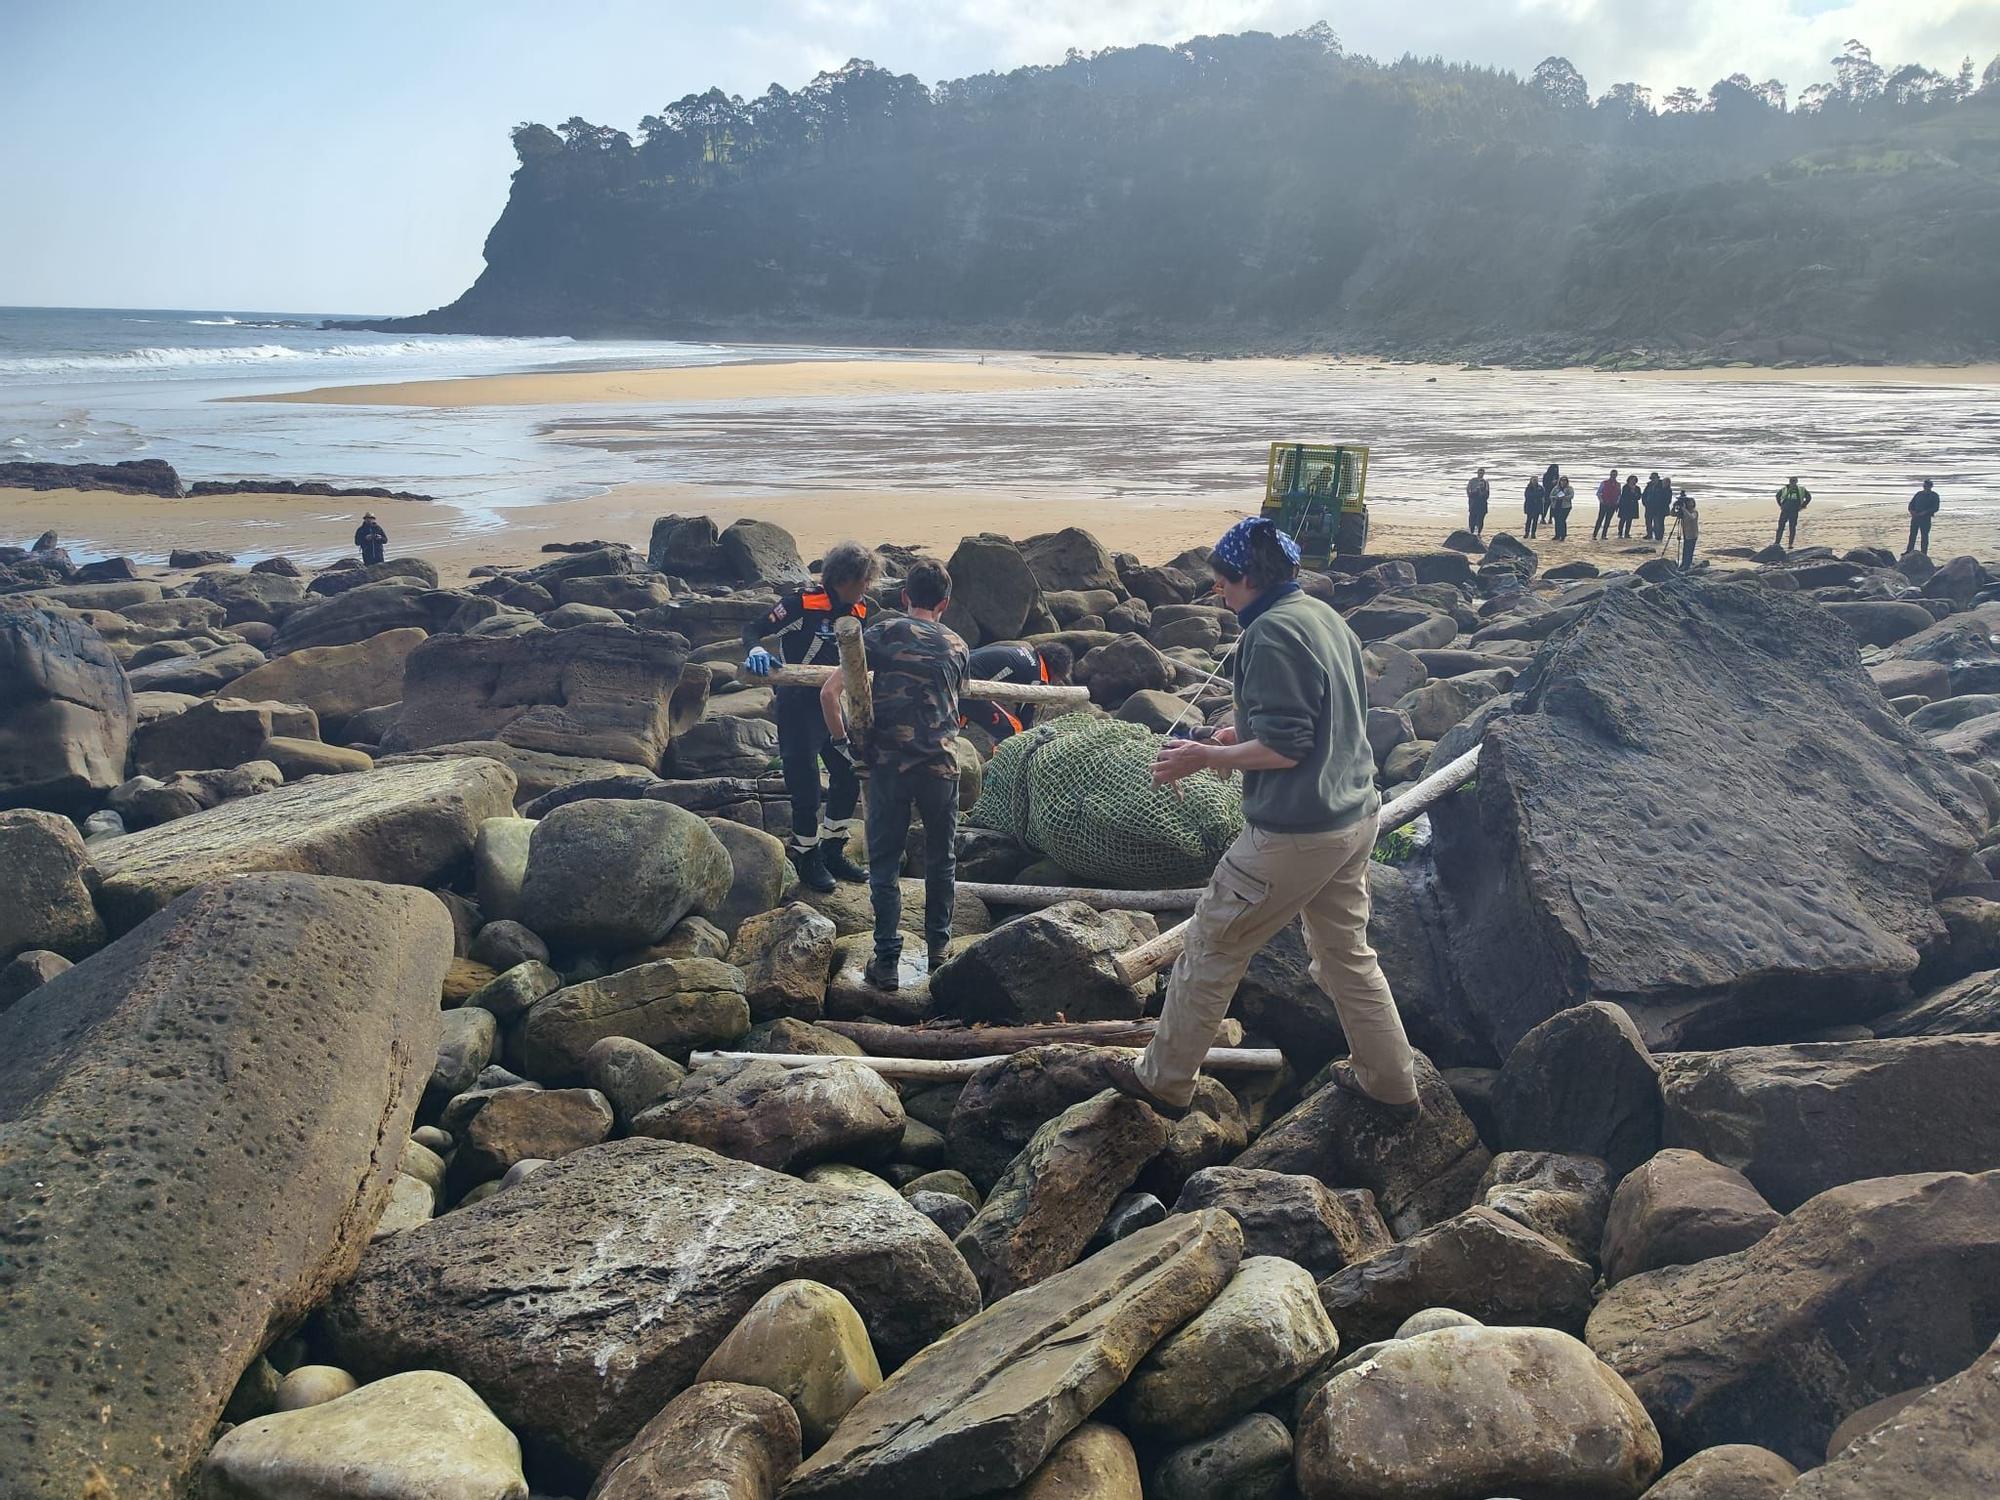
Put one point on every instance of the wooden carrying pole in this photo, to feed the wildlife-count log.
(958, 1069)
(854, 669)
(1089, 895)
(992, 692)
(885, 1039)
(1149, 958)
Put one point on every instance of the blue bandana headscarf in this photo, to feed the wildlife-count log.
(1233, 551)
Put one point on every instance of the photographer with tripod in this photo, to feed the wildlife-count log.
(1687, 522)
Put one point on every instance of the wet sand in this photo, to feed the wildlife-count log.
(760, 380)
(317, 529)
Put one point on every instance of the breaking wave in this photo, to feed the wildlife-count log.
(188, 357)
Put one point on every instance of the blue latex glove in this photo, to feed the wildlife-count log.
(759, 662)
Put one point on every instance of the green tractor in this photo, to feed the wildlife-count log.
(1316, 492)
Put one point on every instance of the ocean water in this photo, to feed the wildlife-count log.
(103, 385)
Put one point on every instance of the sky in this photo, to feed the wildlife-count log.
(349, 158)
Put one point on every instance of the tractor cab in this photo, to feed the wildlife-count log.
(1316, 491)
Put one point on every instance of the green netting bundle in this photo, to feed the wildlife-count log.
(1079, 790)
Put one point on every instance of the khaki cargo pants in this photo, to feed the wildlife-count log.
(1264, 881)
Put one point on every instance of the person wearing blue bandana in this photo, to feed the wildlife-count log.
(1309, 808)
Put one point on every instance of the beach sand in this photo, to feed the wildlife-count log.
(931, 520)
(738, 382)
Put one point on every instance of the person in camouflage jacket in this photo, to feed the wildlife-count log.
(919, 667)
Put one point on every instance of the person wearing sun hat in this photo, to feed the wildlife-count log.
(1309, 808)
(371, 539)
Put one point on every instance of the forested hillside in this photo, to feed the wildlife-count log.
(1275, 193)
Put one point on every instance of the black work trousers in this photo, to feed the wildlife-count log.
(1920, 535)
(371, 553)
(802, 742)
(1606, 514)
(1562, 524)
(1475, 519)
(1687, 552)
(892, 794)
(1788, 520)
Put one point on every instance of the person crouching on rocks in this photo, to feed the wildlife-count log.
(803, 623)
(1309, 809)
(371, 539)
(919, 666)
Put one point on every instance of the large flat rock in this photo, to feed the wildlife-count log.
(1798, 1120)
(581, 1300)
(402, 825)
(1866, 1291)
(1752, 771)
(199, 1127)
(980, 1409)
(602, 691)
(335, 682)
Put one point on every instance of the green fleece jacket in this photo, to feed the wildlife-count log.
(1301, 690)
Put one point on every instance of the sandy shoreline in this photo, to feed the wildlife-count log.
(931, 520)
(757, 380)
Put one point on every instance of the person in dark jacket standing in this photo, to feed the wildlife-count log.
(1657, 499)
(1608, 492)
(919, 666)
(1309, 807)
(371, 539)
(803, 623)
(1628, 506)
(1792, 499)
(1011, 661)
(1477, 494)
(1923, 507)
(1534, 503)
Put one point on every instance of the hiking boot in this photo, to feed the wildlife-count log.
(1399, 1116)
(1122, 1074)
(881, 972)
(837, 862)
(811, 865)
(936, 953)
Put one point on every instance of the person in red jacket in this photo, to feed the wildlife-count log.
(1607, 507)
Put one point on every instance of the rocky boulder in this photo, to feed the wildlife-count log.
(599, 691)
(1050, 1201)
(1804, 857)
(65, 712)
(784, 956)
(212, 735)
(805, 1342)
(1070, 559)
(1679, 1208)
(1730, 1471)
(1478, 1262)
(45, 900)
(1945, 1445)
(1477, 1411)
(984, 1406)
(669, 864)
(1563, 1198)
(993, 593)
(1419, 1173)
(779, 1117)
(1797, 1120)
(1291, 1215)
(584, 1297)
(1131, 664)
(714, 1441)
(1582, 1082)
(1864, 1291)
(1050, 963)
(402, 825)
(393, 604)
(199, 1127)
(336, 682)
(762, 552)
(417, 1434)
(672, 1006)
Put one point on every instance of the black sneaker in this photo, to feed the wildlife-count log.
(811, 865)
(1122, 1075)
(842, 868)
(881, 972)
(1398, 1115)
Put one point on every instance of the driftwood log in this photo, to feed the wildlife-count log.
(881, 1039)
(958, 1069)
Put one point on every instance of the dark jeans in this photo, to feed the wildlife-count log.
(1920, 535)
(1687, 552)
(1475, 519)
(802, 742)
(891, 795)
(1787, 519)
(1625, 526)
(1562, 525)
(1656, 526)
(1606, 514)
(1534, 521)
(371, 553)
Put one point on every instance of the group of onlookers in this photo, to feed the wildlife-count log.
(1549, 497)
